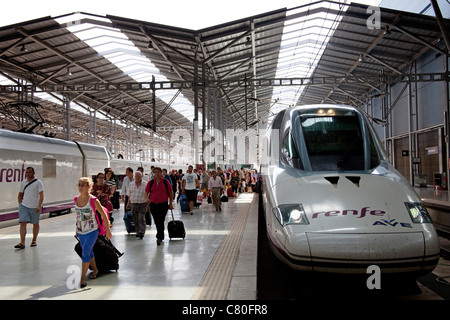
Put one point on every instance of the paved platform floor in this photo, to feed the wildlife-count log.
(171, 271)
(433, 194)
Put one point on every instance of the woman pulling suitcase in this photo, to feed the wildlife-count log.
(88, 227)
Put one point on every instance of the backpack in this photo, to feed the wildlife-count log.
(165, 183)
(101, 225)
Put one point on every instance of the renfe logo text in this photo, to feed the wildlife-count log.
(362, 213)
(12, 175)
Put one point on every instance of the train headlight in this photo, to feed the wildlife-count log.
(418, 212)
(290, 214)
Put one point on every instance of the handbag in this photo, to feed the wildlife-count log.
(224, 198)
(209, 199)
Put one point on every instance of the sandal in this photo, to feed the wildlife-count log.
(93, 275)
(33, 244)
(19, 246)
(83, 285)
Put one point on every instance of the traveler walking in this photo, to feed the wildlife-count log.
(215, 185)
(87, 227)
(138, 203)
(125, 184)
(189, 187)
(159, 192)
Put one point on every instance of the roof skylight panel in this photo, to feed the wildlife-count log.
(303, 42)
(119, 50)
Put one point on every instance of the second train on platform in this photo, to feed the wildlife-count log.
(58, 164)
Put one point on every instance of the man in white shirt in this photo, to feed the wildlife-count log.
(189, 187)
(30, 198)
(215, 185)
(126, 182)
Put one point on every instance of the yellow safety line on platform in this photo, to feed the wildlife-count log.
(216, 281)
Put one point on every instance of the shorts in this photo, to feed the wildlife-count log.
(28, 214)
(191, 194)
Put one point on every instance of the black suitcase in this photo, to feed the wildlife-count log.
(106, 255)
(115, 200)
(176, 228)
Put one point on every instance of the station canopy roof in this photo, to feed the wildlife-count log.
(252, 68)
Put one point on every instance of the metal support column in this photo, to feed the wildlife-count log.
(195, 122)
(66, 106)
(204, 114)
(411, 137)
(152, 134)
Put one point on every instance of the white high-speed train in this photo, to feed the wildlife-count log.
(334, 203)
(58, 164)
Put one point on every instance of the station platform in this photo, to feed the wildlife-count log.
(434, 195)
(216, 260)
(438, 205)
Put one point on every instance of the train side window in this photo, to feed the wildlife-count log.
(289, 147)
(48, 167)
(290, 152)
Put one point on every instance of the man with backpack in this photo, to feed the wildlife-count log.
(159, 191)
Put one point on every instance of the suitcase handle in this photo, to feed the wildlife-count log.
(173, 219)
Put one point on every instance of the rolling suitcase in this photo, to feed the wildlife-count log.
(106, 255)
(184, 203)
(176, 228)
(129, 222)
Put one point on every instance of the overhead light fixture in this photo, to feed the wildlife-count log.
(387, 30)
(150, 45)
(249, 41)
(69, 73)
(361, 58)
(23, 48)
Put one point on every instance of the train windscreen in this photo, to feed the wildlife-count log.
(334, 140)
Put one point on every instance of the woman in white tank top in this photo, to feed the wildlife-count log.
(87, 227)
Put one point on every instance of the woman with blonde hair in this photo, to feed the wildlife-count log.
(87, 226)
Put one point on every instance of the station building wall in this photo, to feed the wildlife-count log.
(424, 158)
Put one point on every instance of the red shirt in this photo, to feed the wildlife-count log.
(158, 193)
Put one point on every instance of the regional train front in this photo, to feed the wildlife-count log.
(333, 202)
